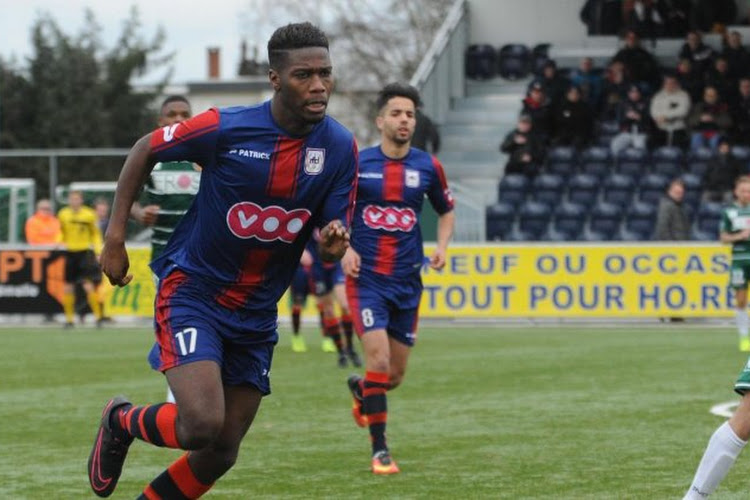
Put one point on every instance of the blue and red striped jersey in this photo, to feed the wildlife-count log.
(261, 194)
(390, 193)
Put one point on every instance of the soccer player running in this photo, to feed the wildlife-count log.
(271, 173)
(383, 264)
(83, 241)
(730, 438)
(735, 230)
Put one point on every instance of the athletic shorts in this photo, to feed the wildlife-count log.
(742, 385)
(379, 302)
(81, 266)
(190, 326)
(739, 274)
(325, 277)
(300, 287)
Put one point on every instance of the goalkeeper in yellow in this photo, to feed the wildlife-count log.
(83, 242)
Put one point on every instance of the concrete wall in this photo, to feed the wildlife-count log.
(526, 21)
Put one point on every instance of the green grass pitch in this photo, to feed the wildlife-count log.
(510, 412)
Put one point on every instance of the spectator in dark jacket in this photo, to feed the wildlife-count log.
(708, 120)
(537, 106)
(714, 15)
(602, 17)
(676, 15)
(643, 17)
(672, 221)
(718, 77)
(690, 81)
(524, 149)
(553, 83)
(614, 91)
(723, 170)
(426, 135)
(640, 65)
(740, 111)
(573, 121)
(736, 55)
(634, 120)
(699, 53)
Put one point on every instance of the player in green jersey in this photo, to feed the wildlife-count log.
(735, 230)
(169, 190)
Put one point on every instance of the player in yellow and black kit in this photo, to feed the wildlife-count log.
(83, 241)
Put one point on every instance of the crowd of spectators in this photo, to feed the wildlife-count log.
(703, 103)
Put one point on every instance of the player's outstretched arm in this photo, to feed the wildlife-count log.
(334, 240)
(446, 223)
(114, 258)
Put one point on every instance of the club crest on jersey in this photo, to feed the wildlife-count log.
(412, 178)
(314, 159)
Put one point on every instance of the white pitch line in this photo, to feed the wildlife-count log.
(724, 409)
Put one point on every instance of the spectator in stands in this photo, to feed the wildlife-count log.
(712, 16)
(735, 54)
(709, 119)
(672, 221)
(553, 83)
(643, 18)
(614, 91)
(538, 107)
(573, 122)
(43, 228)
(524, 149)
(690, 81)
(699, 53)
(602, 17)
(426, 135)
(676, 15)
(589, 80)
(634, 122)
(640, 65)
(718, 77)
(723, 169)
(740, 111)
(669, 109)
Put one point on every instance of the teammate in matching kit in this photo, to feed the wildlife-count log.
(383, 264)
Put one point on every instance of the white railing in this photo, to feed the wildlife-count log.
(470, 225)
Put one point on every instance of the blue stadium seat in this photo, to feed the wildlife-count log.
(697, 161)
(605, 219)
(547, 188)
(533, 218)
(597, 168)
(512, 189)
(708, 217)
(640, 219)
(499, 220)
(514, 61)
(552, 234)
(667, 169)
(583, 189)
(635, 155)
(698, 235)
(539, 57)
(742, 153)
(561, 154)
(565, 170)
(618, 189)
(569, 219)
(595, 154)
(668, 154)
(652, 188)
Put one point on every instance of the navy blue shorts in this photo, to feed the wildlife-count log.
(190, 326)
(325, 277)
(379, 302)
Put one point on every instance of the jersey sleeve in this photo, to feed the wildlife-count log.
(340, 203)
(193, 140)
(725, 225)
(439, 193)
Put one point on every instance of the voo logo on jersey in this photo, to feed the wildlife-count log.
(248, 220)
(389, 218)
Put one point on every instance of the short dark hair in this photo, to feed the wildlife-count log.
(173, 98)
(293, 36)
(397, 89)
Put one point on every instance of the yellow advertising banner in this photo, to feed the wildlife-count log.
(538, 280)
(580, 280)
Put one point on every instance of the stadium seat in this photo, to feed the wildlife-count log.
(481, 61)
(597, 168)
(667, 169)
(640, 219)
(514, 61)
(512, 189)
(742, 153)
(605, 219)
(499, 220)
(547, 188)
(561, 154)
(564, 170)
(698, 235)
(583, 189)
(533, 218)
(539, 57)
(595, 154)
(569, 219)
(708, 217)
(697, 161)
(618, 189)
(635, 155)
(668, 154)
(651, 188)
(605, 132)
